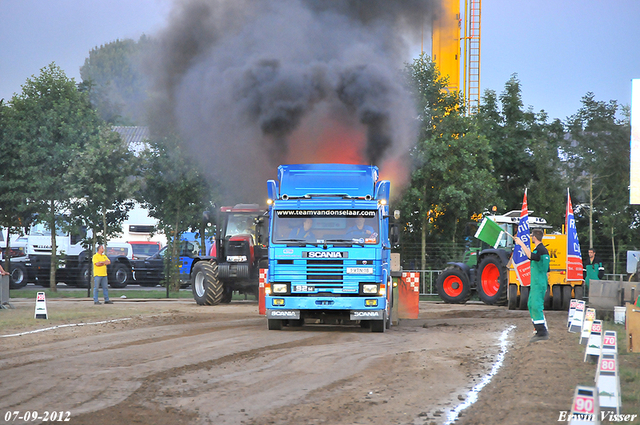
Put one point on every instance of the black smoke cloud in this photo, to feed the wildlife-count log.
(237, 78)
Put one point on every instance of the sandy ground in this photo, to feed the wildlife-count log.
(174, 362)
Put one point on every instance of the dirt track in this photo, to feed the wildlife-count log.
(176, 362)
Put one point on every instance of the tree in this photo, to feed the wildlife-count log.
(14, 191)
(176, 193)
(524, 152)
(51, 122)
(112, 76)
(452, 168)
(597, 157)
(103, 180)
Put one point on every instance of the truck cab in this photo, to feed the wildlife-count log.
(329, 247)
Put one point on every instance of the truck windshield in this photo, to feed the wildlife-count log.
(240, 224)
(42, 229)
(326, 226)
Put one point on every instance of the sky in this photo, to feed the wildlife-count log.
(559, 50)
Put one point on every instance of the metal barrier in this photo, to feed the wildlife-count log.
(617, 276)
(427, 281)
(4, 291)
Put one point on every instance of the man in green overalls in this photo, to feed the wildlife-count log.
(539, 268)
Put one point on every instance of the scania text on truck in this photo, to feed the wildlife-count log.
(330, 245)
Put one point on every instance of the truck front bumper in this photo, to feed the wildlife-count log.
(359, 308)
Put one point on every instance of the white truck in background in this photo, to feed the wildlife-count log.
(75, 260)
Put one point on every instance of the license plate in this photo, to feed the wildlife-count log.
(303, 288)
(359, 270)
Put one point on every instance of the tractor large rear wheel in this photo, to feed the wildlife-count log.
(453, 286)
(206, 287)
(492, 281)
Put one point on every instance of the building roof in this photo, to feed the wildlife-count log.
(136, 137)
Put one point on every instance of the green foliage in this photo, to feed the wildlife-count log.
(113, 78)
(50, 122)
(103, 180)
(176, 193)
(452, 167)
(597, 153)
(524, 153)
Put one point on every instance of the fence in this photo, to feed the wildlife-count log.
(427, 280)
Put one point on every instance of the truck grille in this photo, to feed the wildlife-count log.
(321, 276)
(319, 271)
(237, 248)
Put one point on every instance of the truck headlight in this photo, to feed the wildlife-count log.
(370, 288)
(279, 288)
(236, 258)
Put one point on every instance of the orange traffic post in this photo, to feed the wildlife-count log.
(261, 283)
(409, 295)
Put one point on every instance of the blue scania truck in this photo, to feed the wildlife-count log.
(329, 248)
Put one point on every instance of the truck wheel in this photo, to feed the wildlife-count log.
(579, 292)
(512, 300)
(492, 281)
(205, 285)
(556, 300)
(379, 325)
(121, 276)
(566, 297)
(226, 296)
(547, 299)
(18, 276)
(453, 286)
(274, 324)
(83, 280)
(524, 297)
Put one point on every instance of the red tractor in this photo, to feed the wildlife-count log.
(238, 253)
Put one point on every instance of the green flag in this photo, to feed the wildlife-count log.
(489, 232)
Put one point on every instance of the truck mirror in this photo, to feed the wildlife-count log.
(394, 234)
(396, 214)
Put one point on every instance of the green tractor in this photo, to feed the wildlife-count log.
(483, 268)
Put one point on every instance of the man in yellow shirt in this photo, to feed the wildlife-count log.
(100, 263)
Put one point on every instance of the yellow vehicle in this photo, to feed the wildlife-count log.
(560, 291)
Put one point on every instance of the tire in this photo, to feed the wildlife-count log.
(492, 281)
(83, 280)
(547, 298)
(18, 276)
(121, 276)
(579, 292)
(226, 296)
(566, 297)
(296, 323)
(512, 299)
(379, 325)
(453, 286)
(274, 324)
(556, 300)
(205, 285)
(524, 297)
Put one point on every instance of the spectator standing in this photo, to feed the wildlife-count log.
(593, 270)
(100, 263)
